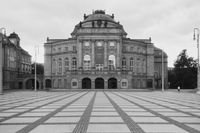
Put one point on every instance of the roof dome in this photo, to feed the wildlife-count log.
(99, 15)
(13, 35)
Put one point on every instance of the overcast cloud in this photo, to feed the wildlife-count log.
(169, 23)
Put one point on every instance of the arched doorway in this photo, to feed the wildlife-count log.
(99, 83)
(48, 83)
(86, 83)
(30, 84)
(112, 83)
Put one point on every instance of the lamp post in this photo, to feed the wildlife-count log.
(162, 72)
(196, 37)
(1, 59)
(36, 51)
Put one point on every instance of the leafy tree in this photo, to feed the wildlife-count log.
(184, 73)
(39, 68)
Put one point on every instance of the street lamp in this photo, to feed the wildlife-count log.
(36, 51)
(162, 72)
(196, 37)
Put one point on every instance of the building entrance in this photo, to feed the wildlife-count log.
(112, 83)
(99, 83)
(86, 83)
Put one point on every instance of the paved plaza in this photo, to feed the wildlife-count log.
(99, 112)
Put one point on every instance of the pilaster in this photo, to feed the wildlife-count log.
(93, 62)
(105, 54)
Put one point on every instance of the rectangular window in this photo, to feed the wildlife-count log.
(66, 49)
(59, 49)
(74, 48)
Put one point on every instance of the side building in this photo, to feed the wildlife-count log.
(16, 62)
(100, 56)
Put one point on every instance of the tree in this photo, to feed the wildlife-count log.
(184, 73)
(39, 67)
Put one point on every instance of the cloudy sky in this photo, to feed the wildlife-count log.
(169, 23)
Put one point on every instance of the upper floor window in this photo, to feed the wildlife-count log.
(66, 49)
(132, 49)
(59, 50)
(131, 63)
(74, 63)
(87, 62)
(74, 48)
(54, 66)
(59, 65)
(66, 64)
(86, 44)
(112, 44)
(99, 44)
(111, 62)
(124, 63)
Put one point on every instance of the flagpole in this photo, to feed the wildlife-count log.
(162, 72)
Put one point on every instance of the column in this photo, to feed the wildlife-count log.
(1, 66)
(92, 60)
(118, 54)
(93, 84)
(105, 84)
(105, 54)
(79, 52)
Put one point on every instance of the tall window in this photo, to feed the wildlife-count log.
(111, 62)
(138, 65)
(124, 63)
(87, 62)
(66, 64)
(143, 66)
(74, 48)
(60, 66)
(74, 63)
(66, 49)
(131, 63)
(54, 66)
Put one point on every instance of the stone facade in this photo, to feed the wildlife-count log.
(100, 56)
(16, 62)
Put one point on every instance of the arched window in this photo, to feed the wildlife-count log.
(131, 63)
(66, 64)
(60, 66)
(111, 62)
(74, 63)
(124, 63)
(87, 62)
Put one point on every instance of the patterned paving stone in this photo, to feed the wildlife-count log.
(195, 126)
(105, 112)
(106, 119)
(10, 128)
(161, 128)
(148, 120)
(108, 128)
(22, 120)
(54, 128)
(63, 120)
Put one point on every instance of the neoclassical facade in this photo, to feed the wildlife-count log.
(100, 56)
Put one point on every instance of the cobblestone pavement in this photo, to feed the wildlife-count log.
(99, 112)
